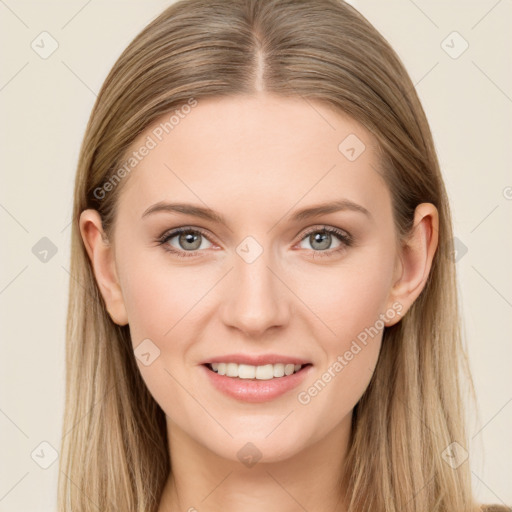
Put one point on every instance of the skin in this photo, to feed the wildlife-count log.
(256, 160)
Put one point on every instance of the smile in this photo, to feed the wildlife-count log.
(248, 371)
(249, 383)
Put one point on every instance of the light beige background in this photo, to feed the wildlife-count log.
(45, 104)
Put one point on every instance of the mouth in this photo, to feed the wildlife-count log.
(251, 372)
(256, 384)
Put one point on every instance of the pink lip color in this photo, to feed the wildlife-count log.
(254, 390)
(256, 360)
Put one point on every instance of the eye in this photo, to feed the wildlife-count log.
(321, 240)
(188, 240)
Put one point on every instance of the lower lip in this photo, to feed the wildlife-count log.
(254, 390)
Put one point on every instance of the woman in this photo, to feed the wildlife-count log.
(217, 357)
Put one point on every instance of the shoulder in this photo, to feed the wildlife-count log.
(495, 508)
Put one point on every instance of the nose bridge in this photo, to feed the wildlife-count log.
(256, 300)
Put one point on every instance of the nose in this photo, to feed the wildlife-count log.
(255, 298)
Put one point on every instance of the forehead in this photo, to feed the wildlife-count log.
(255, 153)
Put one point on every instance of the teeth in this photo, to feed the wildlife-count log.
(247, 371)
(279, 370)
(232, 370)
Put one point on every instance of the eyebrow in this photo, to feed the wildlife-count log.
(299, 215)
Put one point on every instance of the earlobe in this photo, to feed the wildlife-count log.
(101, 255)
(415, 258)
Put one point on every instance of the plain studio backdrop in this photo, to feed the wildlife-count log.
(55, 56)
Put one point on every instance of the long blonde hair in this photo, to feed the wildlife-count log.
(114, 453)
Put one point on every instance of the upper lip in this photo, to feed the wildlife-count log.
(256, 360)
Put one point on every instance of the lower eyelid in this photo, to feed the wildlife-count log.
(345, 240)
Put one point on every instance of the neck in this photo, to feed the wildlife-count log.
(200, 480)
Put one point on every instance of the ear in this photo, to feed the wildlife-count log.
(101, 254)
(414, 259)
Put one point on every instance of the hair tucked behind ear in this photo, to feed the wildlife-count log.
(114, 445)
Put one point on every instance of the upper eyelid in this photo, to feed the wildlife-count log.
(171, 233)
(326, 227)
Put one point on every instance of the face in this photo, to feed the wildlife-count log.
(264, 285)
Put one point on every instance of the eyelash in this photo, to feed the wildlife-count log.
(345, 238)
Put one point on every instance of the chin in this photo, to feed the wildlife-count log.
(250, 450)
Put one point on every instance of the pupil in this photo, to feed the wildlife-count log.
(190, 238)
(323, 239)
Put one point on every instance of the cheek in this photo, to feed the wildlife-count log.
(164, 304)
(351, 303)
(157, 295)
(160, 301)
(350, 297)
